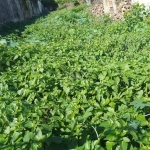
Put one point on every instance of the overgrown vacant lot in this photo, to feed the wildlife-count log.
(71, 81)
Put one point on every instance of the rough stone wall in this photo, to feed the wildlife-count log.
(17, 10)
(115, 8)
(120, 6)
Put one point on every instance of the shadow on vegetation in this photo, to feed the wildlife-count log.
(58, 143)
(18, 27)
(86, 139)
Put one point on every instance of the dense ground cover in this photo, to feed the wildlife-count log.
(73, 81)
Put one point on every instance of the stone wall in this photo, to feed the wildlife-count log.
(115, 8)
(18, 10)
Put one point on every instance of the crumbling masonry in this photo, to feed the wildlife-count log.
(115, 8)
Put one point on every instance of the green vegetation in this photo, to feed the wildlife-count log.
(71, 81)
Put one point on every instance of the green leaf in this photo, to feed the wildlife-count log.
(34, 146)
(66, 89)
(133, 148)
(80, 148)
(109, 145)
(28, 124)
(2, 138)
(13, 44)
(16, 56)
(101, 77)
(140, 94)
(138, 104)
(38, 135)
(15, 136)
(95, 144)
(111, 137)
(110, 109)
(47, 127)
(142, 120)
(125, 139)
(117, 80)
(7, 130)
(88, 145)
(3, 41)
(105, 124)
(117, 123)
(98, 95)
(89, 109)
(134, 124)
(27, 136)
(87, 114)
(124, 145)
(126, 67)
(125, 79)
(133, 133)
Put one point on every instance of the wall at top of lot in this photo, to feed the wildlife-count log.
(18, 10)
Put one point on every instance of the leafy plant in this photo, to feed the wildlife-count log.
(74, 81)
(135, 15)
